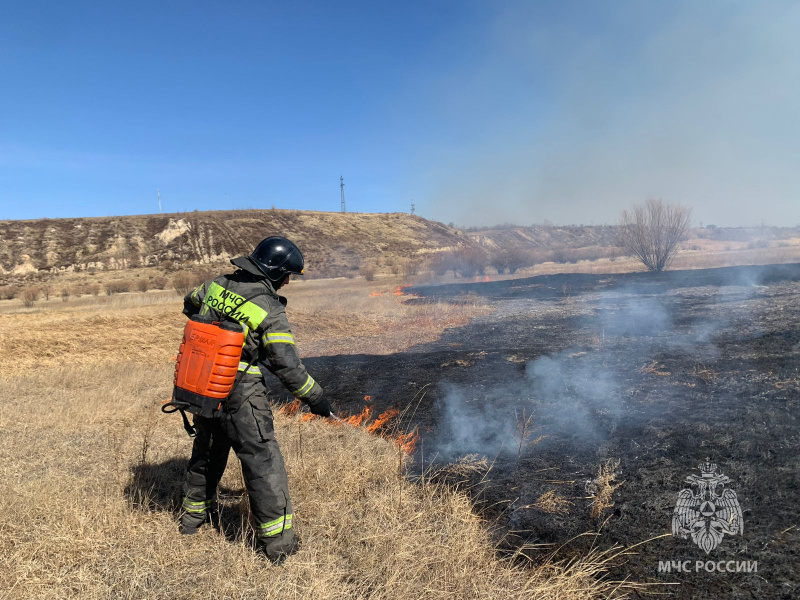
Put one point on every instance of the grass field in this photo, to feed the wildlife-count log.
(91, 470)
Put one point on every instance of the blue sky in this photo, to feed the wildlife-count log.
(481, 112)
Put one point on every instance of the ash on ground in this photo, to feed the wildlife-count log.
(645, 374)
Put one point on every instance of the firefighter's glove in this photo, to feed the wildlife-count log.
(320, 407)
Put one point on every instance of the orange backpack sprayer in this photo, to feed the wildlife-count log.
(206, 368)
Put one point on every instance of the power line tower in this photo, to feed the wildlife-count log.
(413, 207)
(341, 187)
(159, 200)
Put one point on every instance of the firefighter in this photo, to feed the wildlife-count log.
(249, 296)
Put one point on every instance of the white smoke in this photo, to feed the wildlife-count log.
(579, 392)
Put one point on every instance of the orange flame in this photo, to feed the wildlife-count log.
(291, 409)
(374, 294)
(367, 398)
(382, 420)
(357, 420)
(398, 291)
(407, 442)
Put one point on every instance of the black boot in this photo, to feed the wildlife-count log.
(277, 549)
(191, 522)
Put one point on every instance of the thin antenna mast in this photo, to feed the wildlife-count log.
(341, 186)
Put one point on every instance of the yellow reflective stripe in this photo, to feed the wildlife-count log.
(277, 521)
(250, 370)
(279, 338)
(234, 306)
(305, 389)
(195, 295)
(277, 526)
(196, 507)
(200, 503)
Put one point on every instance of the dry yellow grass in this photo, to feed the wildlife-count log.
(327, 316)
(91, 471)
(91, 474)
(355, 316)
(601, 489)
(552, 503)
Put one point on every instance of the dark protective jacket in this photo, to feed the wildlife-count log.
(249, 298)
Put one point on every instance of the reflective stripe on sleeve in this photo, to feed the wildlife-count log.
(250, 371)
(195, 298)
(303, 391)
(279, 338)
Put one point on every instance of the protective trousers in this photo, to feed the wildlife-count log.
(244, 424)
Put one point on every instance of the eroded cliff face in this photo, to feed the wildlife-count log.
(329, 240)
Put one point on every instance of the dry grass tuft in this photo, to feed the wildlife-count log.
(655, 368)
(552, 503)
(601, 489)
(468, 465)
(705, 373)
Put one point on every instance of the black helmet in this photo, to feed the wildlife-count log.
(276, 257)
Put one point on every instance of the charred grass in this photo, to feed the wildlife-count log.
(91, 475)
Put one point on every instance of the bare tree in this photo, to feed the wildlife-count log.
(470, 261)
(499, 261)
(519, 259)
(650, 232)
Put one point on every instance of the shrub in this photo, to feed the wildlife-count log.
(469, 262)
(117, 286)
(7, 292)
(159, 282)
(409, 268)
(143, 284)
(498, 262)
(185, 281)
(368, 272)
(92, 288)
(518, 259)
(64, 294)
(30, 295)
(440, 263)
(46, 288)
(557, 255)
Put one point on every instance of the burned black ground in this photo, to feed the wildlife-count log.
(656, 371)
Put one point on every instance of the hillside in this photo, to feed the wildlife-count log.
(544, 237)
(549, 237)
(330, 241)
